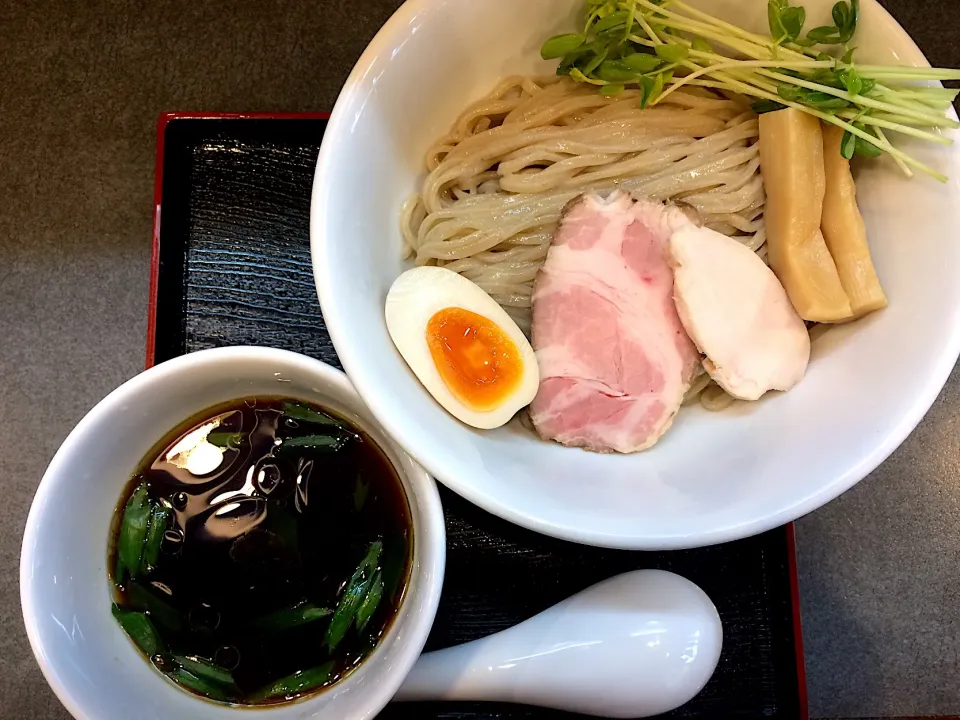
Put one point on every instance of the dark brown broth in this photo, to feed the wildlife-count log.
(227, 562)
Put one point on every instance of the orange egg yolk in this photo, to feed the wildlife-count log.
(477, 360)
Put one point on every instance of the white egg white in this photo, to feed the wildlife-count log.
(415, 297)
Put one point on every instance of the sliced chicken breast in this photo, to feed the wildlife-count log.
(614, 359)
(738, 314)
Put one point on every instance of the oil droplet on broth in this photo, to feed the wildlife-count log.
(268, 478)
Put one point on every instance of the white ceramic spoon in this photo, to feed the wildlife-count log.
(636, 645)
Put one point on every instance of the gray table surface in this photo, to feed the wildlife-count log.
(81, 85)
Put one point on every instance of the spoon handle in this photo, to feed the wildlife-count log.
(638, 644)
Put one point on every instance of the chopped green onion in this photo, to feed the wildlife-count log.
(139, 628)
(353, 595)
(184, 677)
(297, 683)
(205, 669)
(299, 411)
(133, 530)
(369, 605)
(360, 491)
(394, 563)
(292, 617)
(314, 442)
(159, 519)
(156, 608)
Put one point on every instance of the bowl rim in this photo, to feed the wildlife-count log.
(324, 276)
(431, 534)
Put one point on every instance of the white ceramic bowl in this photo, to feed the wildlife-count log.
(88, 660)
(712, 478)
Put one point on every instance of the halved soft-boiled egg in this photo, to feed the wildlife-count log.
(468, 353)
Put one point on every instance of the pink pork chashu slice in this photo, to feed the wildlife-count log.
(615, 361)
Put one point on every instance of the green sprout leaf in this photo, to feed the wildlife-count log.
(848, 144)
(701, 45)
(631, 18)
(657, 88)
(775, 10)
(672, 53)
(560, 45)
(790, 93)
(848, 16)
(578, 75)
(823, 101)
(616, 71)
(841, 14)
(824, 35)
(627, 43)
(852, 82)
(596, 61)
(764, 106)
(613, 21)
(641, 62)
(646, 90)
(570, 60)
(793, 20)
(786, 22)
(811, 98)
(866, 149)
(829, 77)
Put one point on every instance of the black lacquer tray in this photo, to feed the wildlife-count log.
(231, 266)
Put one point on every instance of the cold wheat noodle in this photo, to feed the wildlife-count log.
(498, 182)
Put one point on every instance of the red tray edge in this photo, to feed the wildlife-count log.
(167, 117)
(797, 622)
